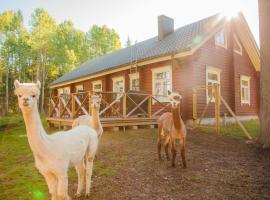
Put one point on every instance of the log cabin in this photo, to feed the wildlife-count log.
(134, 81)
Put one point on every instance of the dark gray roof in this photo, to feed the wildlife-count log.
(181, 40)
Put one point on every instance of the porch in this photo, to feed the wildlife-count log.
(118, 109)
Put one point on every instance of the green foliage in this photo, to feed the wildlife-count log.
(45, 52)
(102, 40)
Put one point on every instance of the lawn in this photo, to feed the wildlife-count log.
(219, 167)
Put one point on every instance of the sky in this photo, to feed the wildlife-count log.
(134, 18)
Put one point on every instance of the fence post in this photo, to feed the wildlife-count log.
(124, 105)
(194, 113)
(217, 106)
(72, 106)
(150, 106)
(59, 104)
(89, 103)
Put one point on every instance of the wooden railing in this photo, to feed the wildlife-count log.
(113, 105)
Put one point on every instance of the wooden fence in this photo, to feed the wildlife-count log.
(113, 105)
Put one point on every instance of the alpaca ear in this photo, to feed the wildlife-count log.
(16, 84)
(38, 84)
(169, 92)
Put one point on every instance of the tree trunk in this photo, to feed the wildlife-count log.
(7, 91)
(264, 24)
(43, 88)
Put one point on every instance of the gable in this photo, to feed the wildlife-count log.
(247, 40)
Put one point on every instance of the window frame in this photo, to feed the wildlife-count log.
(245, 78)
(212, 70)
(97, 82)
(238, 44)
(63, 89)
(76, 87)
(161, 70)
(225, 39)
(131, 78)
(115, 79)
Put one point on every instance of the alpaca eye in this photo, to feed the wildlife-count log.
(20, 95)
(33, 96)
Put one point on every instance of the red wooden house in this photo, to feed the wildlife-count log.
(212, 50)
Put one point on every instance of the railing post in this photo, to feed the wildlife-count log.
(194, 113)
(72, 106)
(150, 106)
(217, 106)
(89, 103)
(59, 104)
(124, 105)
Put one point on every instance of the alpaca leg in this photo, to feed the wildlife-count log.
(52, 185)
(182, 149)
(80, 169)
(62, 187)
(173, 152)
(159, 148)
(167, 148)
(89, 170)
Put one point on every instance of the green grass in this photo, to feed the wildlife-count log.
(20, 180)
(11, 120)
(252, 126)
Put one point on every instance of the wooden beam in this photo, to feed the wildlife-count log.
(235, 117)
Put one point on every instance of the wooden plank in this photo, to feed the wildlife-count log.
(150, 106)
(138, 106)
(124, 105)
(235, 117)
(109, 106)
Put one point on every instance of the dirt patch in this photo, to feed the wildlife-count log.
(218, 167)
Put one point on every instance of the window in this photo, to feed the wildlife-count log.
(245, 89)
(65, 90)
(79, 88)
(97, 86)
(118, 86)
(220, 39)
(134, 82)
(162, 82)
(237, 47)
(212, 77)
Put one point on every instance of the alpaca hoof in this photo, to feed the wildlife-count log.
(78, 195)
(87, 194)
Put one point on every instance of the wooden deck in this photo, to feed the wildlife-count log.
(108, 122)
(117, 109)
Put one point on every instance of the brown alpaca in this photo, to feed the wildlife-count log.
(172, 128)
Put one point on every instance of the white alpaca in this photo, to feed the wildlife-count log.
(55, 153)
(93, 121)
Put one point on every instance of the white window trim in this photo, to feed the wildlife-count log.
(79, 85)
(97, 83)
(131, 77)
(245, 78)
(63, 88)
(239, 45)
(119, 78)
(213, 70)
(159, 70)
(225, 39)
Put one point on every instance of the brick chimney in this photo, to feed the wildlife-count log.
(165, 26)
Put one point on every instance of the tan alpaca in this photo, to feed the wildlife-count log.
(171, 128)
(93, 121)
(56, 152)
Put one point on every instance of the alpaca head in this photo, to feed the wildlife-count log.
(28, 94)
(95, 101)
(175, 99)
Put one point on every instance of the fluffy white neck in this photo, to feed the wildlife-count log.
(36, 134)
(95, 117)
